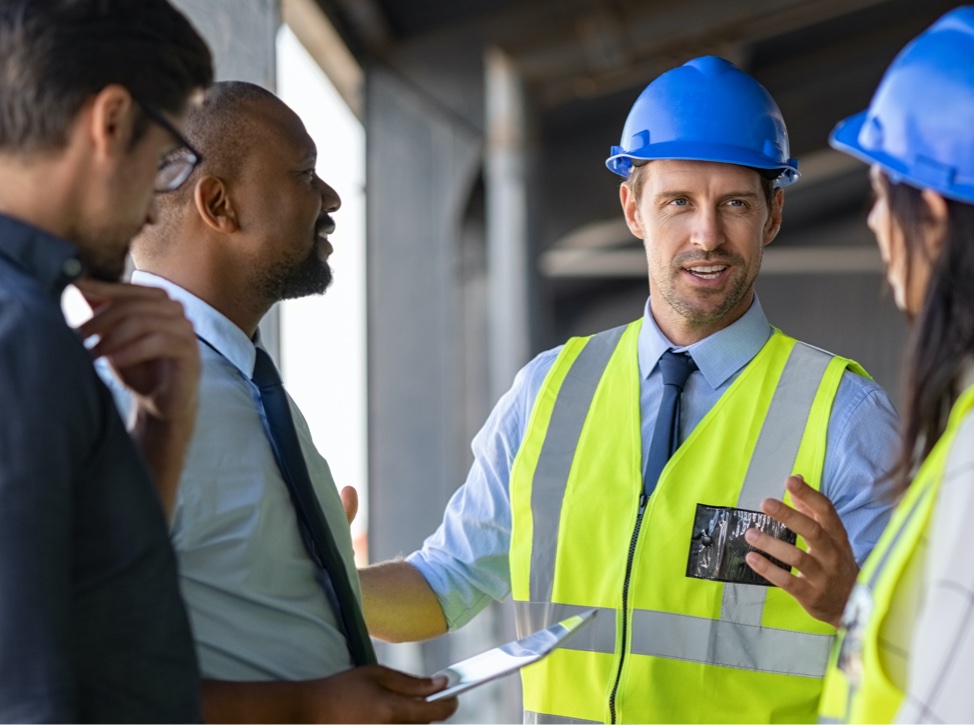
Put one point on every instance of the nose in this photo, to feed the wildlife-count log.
(330, 200)
(706, 233)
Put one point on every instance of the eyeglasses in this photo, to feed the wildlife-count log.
(176, 166)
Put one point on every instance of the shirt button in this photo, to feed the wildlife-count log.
(71, 268)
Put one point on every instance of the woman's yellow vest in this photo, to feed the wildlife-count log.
(681, 649)
(861, 691)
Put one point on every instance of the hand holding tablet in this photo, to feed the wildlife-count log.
(508, 658)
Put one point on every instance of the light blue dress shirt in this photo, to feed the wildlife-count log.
(258, 611)
(466, 560)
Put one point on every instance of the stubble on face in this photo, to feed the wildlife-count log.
(702, 308)
(704, 226)
(290, 227)
(104, 249)
(124, 208)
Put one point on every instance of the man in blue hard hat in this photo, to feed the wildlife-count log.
(638, 470)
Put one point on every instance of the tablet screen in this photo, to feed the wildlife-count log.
(508, 658)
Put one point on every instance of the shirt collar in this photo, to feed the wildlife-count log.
(53, 262)
(211, 326)
(718, 356)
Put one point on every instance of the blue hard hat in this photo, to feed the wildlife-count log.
(919, 126)
(706, 110)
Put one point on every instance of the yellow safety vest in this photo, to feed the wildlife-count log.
(857, 688)
(681, 649)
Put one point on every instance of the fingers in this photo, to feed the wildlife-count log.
(820, 525)
(420, 711)
(783, 551)
(774, 574)
(409, 685)
(133, 340)
(350, 503)
(826, 569)
(816, 505)
(408, 693)
(149, 342)
(136, 324)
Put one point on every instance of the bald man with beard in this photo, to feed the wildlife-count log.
(250, 228)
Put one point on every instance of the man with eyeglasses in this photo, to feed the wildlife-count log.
(92, 625)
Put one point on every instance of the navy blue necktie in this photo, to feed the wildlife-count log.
(676, 368)
(311, 520)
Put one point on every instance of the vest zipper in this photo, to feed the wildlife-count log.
(643, 499)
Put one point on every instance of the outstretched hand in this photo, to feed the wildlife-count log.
(827, 571)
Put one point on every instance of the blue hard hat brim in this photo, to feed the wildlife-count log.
(845, 138)
(719, 153)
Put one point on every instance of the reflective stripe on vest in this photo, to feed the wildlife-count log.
(542, 718)
(736, 640)
(557, 454)
(772, 462)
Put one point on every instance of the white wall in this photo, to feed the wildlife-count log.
(323, 338)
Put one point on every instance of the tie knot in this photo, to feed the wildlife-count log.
(265, 371)
(676, 368)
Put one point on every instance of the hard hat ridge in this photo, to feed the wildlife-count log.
(919, 126)
(706, 110)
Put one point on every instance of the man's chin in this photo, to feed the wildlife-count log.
(314, 282)
(103, 272)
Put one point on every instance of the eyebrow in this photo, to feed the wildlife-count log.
(730, 195)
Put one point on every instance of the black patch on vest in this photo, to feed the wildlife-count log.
(718, 547)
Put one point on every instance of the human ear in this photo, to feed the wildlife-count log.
(630, 209)
(773, 225)
(111, 121)
(214, 205)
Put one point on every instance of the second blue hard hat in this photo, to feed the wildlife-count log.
(706, 110)
(919, 126)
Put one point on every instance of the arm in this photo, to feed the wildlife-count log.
(49, 419)
(465, 563)
(399, 604)
(371, 694)
(152, 348)
(841, 524)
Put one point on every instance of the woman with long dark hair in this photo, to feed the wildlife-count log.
(906, 650)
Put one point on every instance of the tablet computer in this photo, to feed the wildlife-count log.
(508, 658)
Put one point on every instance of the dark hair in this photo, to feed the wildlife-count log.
(216, 126)
(637, 179)
(55, 54)
(943, 334)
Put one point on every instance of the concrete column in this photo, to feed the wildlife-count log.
(510, 174)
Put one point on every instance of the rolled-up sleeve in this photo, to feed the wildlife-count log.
(466, 560)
